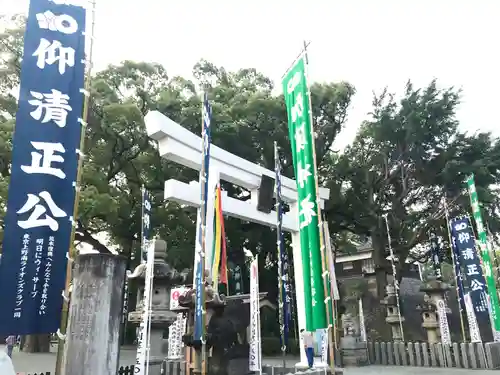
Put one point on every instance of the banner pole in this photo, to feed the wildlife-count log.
(72, 250)
(324, 268)
(447, 217)
(281, 302)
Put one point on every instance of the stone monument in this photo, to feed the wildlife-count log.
(161, 317)
(92, 342)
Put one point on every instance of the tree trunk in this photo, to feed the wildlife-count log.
(379, 259)
(37, 344)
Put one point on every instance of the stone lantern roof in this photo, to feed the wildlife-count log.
(163, 272)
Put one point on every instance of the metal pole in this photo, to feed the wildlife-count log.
(324, 270)
(447, 216)
(394, 275)
(204, 182)
(302, 52)
(72, 250)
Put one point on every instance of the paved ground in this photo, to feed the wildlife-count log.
(36, 363)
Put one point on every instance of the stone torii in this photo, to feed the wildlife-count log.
(177, 144)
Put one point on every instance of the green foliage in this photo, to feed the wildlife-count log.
(120, 158)
(404, 161)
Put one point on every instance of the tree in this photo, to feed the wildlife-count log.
(404, 161)
(119, 158)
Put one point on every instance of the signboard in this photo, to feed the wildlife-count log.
(175, 293)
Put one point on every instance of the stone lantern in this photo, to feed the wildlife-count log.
(434, 291)
(165, 277)
(393, 315)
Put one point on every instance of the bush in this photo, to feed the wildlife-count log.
(271, 347)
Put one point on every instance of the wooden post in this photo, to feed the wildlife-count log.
(93, 339)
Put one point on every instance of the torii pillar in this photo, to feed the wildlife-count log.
(177, 144)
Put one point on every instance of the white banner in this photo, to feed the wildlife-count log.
(443, 323)
(255, 357)
(324, 346)
(334, 289)
(362, 328)
(475, 335)
(143, 335)
(496, 334)
(176, 331)
(175, 293)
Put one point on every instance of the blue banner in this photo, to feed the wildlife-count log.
(283, 256)
(45, 153)
(199, 325)
(436, 256)
(464, 242)
(458, 274)
(145, 223)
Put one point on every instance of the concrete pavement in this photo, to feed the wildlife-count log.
(35, 363)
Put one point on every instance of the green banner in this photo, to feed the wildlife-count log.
(299, 126)
(485, 256)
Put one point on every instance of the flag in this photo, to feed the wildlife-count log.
(217, 241)
(283, 278)
(43, 181)
(465, 251)
(223, 265)
(145, 223)
(219, 249)
(199, 325)
(298, 106)
(485, 255)
(143, 337)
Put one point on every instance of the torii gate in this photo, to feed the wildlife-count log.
(178, 144)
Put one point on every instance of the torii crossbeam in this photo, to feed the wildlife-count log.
(179, 145)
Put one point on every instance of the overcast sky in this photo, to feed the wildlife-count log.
(370, 43)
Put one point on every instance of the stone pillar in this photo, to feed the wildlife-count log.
(93, 339)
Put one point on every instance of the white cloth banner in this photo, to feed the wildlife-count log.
(143, 335)
(324, 347)
(496, 334)
(362, 328)
(475, 335)
(443, 322)
(255, 355)
(334, 289)
(176, 331)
